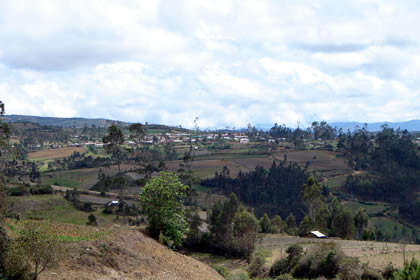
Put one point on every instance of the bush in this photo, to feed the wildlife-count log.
(108, 210)
(350, 269)
(410, 271)
(19, 190)
(389, 271)
(322, 260)
(85, 206)
(370, 274)
(92, 220)
(221, 270)
(256, 267)
(286, 265)
(41, 189)
(284, 277)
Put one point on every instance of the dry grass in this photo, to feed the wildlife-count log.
(377, 254)
(125, 253)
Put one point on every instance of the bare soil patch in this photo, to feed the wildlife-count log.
(125, 253)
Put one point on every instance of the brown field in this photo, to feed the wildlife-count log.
(55, 153)
(251, 163)
(22, 125)
(206, 168)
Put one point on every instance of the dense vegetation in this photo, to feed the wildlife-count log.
(275, 191)
(392, 164)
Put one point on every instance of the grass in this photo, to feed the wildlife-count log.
(66, 182)
(200, 188)
(371, 208)
(57, 209)
(387, 225)
(335, 182)
(68, 214)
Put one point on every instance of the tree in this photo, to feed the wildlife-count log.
(312, 197)
(121, 183)
(342, 224)
(305, 226)
(37, 244)
(113, 141)
(194, 220)
(277, 224)
(291, 224)
(360, 221)
(162, 200)
(136, 132)
(245, 229)
(265, 224)
(221, 224)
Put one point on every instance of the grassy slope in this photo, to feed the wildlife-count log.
(55, 208)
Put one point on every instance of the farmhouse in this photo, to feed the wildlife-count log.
(244, 141)
(315, 234)
(113, 203)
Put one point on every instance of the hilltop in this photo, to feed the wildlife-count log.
(121, 252)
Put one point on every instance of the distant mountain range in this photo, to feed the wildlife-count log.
(61, 122)
(413, 125)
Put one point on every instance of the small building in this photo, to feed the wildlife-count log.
(315, 234)
(244, 141)
(113, 203)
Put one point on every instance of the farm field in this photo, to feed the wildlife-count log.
(273, 246)
(83, 178)
(378, 254)
(51, 154)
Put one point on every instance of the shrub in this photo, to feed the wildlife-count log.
(284, 277)
(41, 189)
(83, 206)
(256, 267)
(322, 260)
(92, 220)
(19, 190)
(410, 271)
(38, 244)
(389, 271)
(350, 269)
(287, 264)
(221, 270)
(370, 274)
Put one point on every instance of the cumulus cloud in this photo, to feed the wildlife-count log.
(227, 62)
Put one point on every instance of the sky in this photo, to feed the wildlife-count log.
(227, 62)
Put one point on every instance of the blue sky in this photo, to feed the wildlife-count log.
(229, 63)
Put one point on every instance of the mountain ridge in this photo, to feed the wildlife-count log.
(411, 125)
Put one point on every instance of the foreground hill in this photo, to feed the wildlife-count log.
(122, 253)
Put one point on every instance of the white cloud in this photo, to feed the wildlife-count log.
(228, 62)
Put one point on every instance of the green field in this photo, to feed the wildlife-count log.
(371, 208)
(55, 208)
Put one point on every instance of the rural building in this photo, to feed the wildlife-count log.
(315, 234)
(244, 141)
(113, 203)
